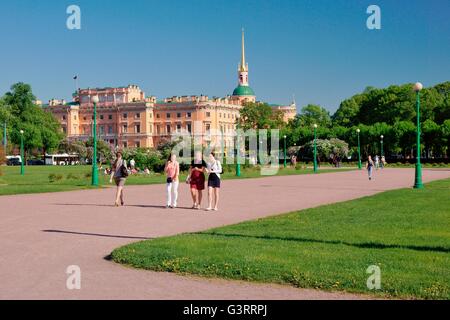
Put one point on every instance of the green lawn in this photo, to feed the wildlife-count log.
(37, 178)
(405, 232)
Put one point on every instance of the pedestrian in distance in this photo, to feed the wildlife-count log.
(119, 173)
(172, 170)
(377, 162)
(214, 168)
(369, 166)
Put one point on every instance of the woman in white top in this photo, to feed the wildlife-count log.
(172, 170)
(214, 169)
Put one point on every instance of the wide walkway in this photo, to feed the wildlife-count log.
(42, 234)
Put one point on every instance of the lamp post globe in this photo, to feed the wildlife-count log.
(418, 172)
(315, 147)
(418, 87)
(95, 101)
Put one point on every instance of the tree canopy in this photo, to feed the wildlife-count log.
(41, 129)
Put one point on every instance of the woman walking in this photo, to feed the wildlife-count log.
(214, 169)
(369, 167)
(196, 179)
(172, 170)
(119, 173)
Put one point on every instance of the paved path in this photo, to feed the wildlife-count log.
(42, 234)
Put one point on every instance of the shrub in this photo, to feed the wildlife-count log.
(54, 177)
(88, 175)
(72, 176)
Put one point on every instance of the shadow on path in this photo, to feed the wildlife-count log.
(97, 234)
(364, 245)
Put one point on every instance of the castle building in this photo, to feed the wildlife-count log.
(127, 118)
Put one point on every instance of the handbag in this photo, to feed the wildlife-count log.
(123, 171)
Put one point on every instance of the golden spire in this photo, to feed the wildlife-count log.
(243, 66)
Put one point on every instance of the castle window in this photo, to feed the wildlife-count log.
(208, 114)
(168, 115)
(188, 115)
(179, 115)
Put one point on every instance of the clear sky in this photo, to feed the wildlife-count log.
(319, 50)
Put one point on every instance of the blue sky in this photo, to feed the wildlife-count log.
(319, 50)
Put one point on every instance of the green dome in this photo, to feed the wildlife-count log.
(243, 91)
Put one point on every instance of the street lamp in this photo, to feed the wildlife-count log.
(418, 176)
(95, 100)
(238, 152)
(22, 168)
(285, 151)
(4, 137)
(359, 150)
(381, 142)
(315, 148)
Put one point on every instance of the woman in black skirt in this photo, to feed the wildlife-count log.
(214, 169)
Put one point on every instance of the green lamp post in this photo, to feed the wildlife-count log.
(94, 183)
(359, 150)
(22, 158)
(418, 176)
(4, 137)
(315, 148)
(238, 152)
(381, 144)
(285, 151)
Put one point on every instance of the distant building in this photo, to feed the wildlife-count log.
(127, 118)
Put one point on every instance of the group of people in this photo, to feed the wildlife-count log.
(378, 163)
(196, 180)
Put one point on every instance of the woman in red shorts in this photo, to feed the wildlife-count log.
(196, 179)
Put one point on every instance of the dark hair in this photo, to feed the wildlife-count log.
(117, 158)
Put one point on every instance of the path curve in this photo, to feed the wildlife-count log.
(42, 234)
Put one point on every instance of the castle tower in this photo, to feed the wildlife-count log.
(243, 92)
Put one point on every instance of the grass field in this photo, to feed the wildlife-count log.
(405, 232)
(39, 179)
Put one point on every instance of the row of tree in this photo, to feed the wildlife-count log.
(389, 112)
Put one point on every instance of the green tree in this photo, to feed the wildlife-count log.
(445, 134)
(431, 137)
(314, 114)
(405, 133)
(41, 129)
(260, 116)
